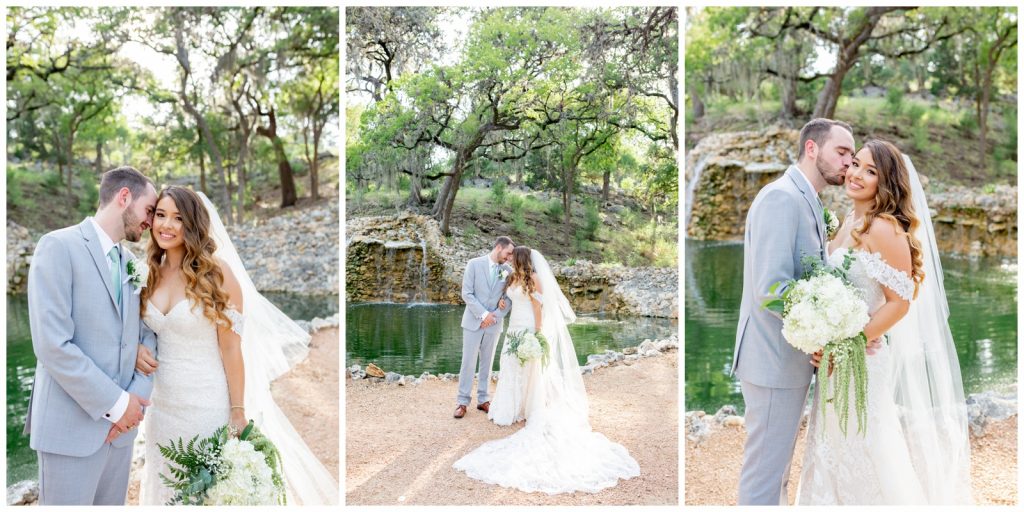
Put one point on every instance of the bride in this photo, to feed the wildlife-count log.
(915, 448)
(556, 451)
(220, 345)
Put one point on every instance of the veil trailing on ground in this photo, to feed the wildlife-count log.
(565, 383)
(929, 390)
(271, 344)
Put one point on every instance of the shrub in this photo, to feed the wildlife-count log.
(894, 101)
(968, 123)
(555, 210)
(591, 220)
(498, 190)
(14, 193)
(915, 113)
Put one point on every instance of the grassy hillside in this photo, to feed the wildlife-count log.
(40, 201)
(941, 137)
(623, 233)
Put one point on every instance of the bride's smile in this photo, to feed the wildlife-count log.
(167, 225)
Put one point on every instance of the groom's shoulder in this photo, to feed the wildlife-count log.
(65, 234)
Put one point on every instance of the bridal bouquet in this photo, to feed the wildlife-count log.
(824, 311)
(527, 346)
(223, 470)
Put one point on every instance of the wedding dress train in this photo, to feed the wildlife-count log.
(556, 451)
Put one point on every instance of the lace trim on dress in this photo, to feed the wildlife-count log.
(237, 320)
(892, 278)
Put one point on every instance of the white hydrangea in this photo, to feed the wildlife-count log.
(820, 310)
(529, 348)
(245, 478)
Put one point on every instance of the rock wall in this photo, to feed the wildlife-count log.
(296, 251)
(384, 262)
(725, 171)
(20, 245)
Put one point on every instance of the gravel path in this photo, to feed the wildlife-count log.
(401, 442)
(713, 467)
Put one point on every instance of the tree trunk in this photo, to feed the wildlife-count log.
(202, 167)
(606, 186)
(245, 133)
(570, 180)
(829, 96)
(698, 104)
(284, 169)
(789, 88)
(99, 157)
(986, 97)
(204, 127)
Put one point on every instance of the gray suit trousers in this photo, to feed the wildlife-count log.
(65, 480)
(479, 343)
(773, 422)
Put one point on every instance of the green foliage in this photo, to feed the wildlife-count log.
(195, 466)
(499, 188)
(89, 189)
(555, 211)
(516, 206)
(916, 112)
(592, 220)
(14, 192)
(968, 123)
(894, 101)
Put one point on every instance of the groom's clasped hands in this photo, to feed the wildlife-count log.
(131, 418)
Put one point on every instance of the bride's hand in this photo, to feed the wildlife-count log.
(237, 423)
(145, 363)
(816, 361)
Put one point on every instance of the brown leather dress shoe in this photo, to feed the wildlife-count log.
(485, 407)
(460, 411)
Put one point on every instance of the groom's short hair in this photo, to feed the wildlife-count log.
(120, 177)
(819, 130)
(503, 241)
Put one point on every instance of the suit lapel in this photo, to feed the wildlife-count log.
(92, 242)
(812, 200)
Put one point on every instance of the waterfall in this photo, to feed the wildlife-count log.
(424, 273)
(389, 262)
(691, 189)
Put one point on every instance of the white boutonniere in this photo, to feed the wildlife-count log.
(502, 274)
(138, 275)
(831, 222)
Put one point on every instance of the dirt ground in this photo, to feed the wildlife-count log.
(308, 395)
(713, 468)
(401, 441)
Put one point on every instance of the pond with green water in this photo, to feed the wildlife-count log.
(413, 338)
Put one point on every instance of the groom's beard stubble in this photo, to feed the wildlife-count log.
(831, 175)
(132, 226)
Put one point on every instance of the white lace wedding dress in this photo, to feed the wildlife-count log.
(556, 451)
(875, 468)
(513, 391)
(190, 390)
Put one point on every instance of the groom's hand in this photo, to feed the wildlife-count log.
(488, 320)
(132, 415)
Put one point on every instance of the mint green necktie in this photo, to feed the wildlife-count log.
(115, 272)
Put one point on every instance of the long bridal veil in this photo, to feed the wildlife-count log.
(271, 344)
(929, 390)
(564, 383)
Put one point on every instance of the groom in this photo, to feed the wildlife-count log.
(482, 289)
(87, 398)
(785, 223)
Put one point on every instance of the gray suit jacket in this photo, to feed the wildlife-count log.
(784, 224)
(481, 295)
(85, 348)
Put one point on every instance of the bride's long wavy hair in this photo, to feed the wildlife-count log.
(522, 270)
(893, 203)
(204, 281)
